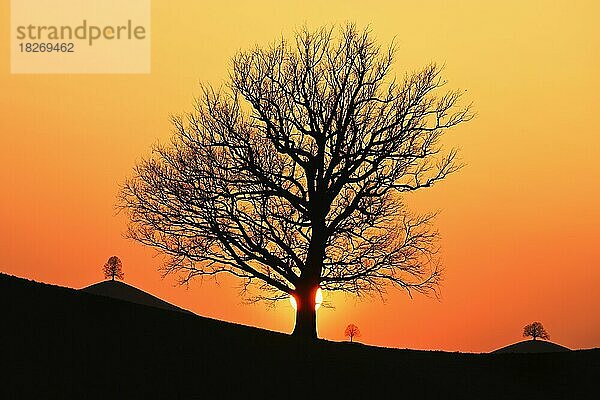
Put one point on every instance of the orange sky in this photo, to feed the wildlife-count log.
(520, 224)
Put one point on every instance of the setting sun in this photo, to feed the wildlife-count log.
(318, 300)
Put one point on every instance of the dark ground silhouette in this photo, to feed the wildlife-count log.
(123, 291)
(532, 346)
(63, 343)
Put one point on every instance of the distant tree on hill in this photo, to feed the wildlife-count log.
(535, 330)
(113, 269)
(351, 332)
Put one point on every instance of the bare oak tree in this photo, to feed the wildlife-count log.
(113, 269)
(535, 330)
(351, 332)
(291, 177)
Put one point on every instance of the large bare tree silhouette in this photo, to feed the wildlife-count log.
(291, 177)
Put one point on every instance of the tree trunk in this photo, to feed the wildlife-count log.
(306, 289)
(306, 315)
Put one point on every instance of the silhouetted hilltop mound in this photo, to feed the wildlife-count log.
(532, 346)
(122, 291)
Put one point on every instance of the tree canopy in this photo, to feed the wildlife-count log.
(113, 268)
(535, 330)
(291, 176)
(352, 332)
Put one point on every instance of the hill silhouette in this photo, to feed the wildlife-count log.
(532, 346)
(122, 291)
(64, 343)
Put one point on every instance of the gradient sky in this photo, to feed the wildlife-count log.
(520, 224)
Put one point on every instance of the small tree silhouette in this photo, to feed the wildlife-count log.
(351, 332)
(113, 268)
(535, 330)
